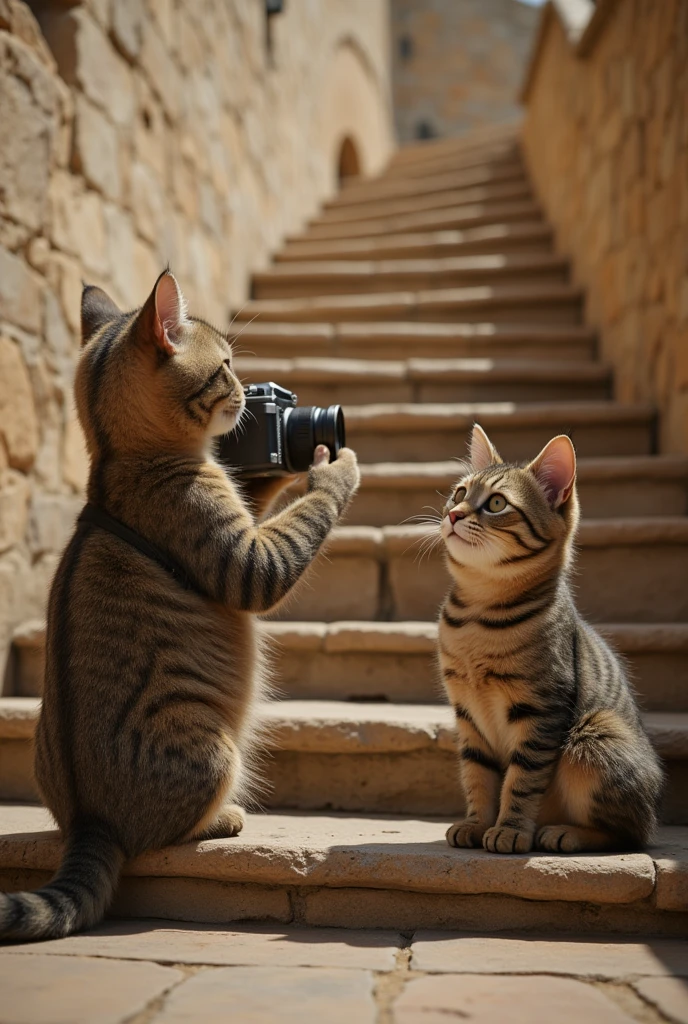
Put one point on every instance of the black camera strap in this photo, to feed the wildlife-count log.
(98, 517)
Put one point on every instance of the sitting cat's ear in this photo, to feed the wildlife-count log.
(97, 309)
(555, 469)
(164, 314)
(483, 452)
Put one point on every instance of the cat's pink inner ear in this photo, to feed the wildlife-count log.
(555, 470)
(483, 452)
(170, 312)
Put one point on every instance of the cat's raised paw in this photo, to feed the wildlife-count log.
(465, 833)
(558, 839)
(501, 839)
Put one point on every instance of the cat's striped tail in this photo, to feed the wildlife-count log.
(78, 895)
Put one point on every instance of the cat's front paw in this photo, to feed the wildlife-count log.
(501, 839)
(558, 839)
(340, 478)
(466, 833)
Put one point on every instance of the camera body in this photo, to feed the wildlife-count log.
(277, 437)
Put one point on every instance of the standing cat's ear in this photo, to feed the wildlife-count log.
(164, 314)
(97, 309)
(555, 469)
(483, 452)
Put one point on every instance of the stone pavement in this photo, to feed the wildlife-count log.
(149, 971)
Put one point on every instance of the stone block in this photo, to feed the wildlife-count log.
(259, 994)
(77, 224)
(671, 863)
(148, 202)
(96, 149)
(668, 995)
(87, 58)
(127, 22)
(52, 521)
(17, 18)
(127, 289)
(14, 502)
(50, 990)
(431, 1000)
(257, 945)
(332, 591)
(29, 99)
(18, 420)
(20, 292)
(60, 342)
(161, 70)
(200, 899)
(75, 461)
(596, 959)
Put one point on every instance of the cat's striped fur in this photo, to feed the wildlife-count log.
(552, 751)
(148, 726)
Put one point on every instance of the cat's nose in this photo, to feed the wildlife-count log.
(454, 515)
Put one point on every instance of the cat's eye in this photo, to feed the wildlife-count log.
(496, 503)
(459, 495)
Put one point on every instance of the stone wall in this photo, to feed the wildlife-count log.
(457, 64)
(133, 133)
(606, 138)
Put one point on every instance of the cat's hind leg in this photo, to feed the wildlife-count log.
(574, 839)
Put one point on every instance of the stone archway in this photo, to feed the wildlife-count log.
(349, 162)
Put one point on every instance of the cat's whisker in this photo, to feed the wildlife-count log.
(235, 337)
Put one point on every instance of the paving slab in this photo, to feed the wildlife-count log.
(263, 995)
(41, 989)
(342, 851)
(487, 1000)
(248, 947)
(669, 995)
(602, 959)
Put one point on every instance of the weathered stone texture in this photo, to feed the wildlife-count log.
(133, 135)
(606, 139)
(457, 66)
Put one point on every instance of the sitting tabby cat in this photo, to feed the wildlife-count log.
(153, 676)
(552, 751)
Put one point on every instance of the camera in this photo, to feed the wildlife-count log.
(277, 437)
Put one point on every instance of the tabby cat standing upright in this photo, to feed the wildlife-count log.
(552, 751)
(154, 665)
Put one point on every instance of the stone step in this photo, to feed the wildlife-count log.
(527, 236)
(396, 661)
(372, 191)
(628, 570)
(428, 433)
(390, 206)
(351, 277)
(346, 756)
(359, 381)
(549, 303)
(498, 155)
(400, 340)
(488, 138)
(370, 871)
(492, 154)
(470, 216)
(650, 485)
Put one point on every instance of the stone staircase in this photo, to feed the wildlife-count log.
(422, 301)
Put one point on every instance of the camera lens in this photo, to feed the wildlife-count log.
(307, 426)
